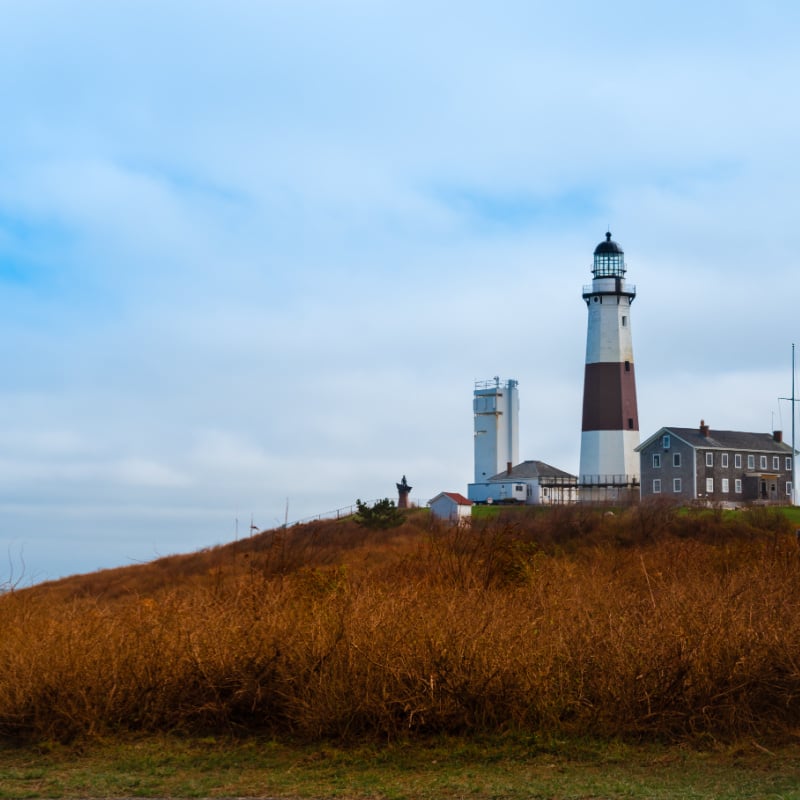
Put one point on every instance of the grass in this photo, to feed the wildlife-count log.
(494, 767)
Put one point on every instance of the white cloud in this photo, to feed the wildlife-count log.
(262, 254)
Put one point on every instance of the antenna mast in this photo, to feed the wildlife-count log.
(793, 400)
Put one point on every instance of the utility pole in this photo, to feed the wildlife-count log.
(793, 400)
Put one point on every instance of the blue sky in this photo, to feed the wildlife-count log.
(256, 253)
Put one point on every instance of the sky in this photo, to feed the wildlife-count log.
(254, 255)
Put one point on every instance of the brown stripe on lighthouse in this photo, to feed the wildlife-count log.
(609, 398)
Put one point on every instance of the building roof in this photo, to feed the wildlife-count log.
(721, 440)
(529, 470)
(609, 246)
(456, 497)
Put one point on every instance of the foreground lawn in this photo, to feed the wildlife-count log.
(493, 768)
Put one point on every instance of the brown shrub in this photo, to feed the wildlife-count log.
(618, 625)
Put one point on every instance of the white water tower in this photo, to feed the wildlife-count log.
(495, 406)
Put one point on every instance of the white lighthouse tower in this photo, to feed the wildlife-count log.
(496, 408)
(610, 430)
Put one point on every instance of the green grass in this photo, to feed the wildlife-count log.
(446, 768)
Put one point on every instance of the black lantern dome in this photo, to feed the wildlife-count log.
(609, 259)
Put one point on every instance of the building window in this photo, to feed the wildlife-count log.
(776, 463)
(676, 484)
(630, 423)
(709, 486)
(789, 488)
(737, 461)
(723, 460)
(676, 459)
(788, 463)
(627, 366)
(751, 462)
(665, 441)
(763, 462)
(656, 460)
(624, 321)
(725, 486)
(656, 485)
(737, 486)
(709, 459)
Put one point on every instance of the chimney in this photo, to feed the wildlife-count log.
(508, 467)
(777, 436)
(703, 428)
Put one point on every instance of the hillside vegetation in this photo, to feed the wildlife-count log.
(652, 623)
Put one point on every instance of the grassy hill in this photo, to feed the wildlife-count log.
(653, 623)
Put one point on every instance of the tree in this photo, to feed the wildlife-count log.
(384, 514)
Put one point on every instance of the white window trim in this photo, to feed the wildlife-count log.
(723, 460)
(737, 461)
(725, 488)
(676, 485)
(737, 486)
(656, 460)
(656, 485)
(709, 486)
(709, 459)
(762, 460)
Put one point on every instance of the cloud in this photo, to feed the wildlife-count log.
(261, 255)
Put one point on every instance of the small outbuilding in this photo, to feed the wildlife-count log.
(451, 506)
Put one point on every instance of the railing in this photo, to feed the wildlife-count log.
(629, 289)
(338, 513)
(496, 383)
(609, 480)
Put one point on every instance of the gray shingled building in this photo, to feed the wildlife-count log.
(717, 467)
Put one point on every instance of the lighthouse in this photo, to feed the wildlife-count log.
(610, 429)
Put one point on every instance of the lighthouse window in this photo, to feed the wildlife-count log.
(630, 423)
(624, 321)
(627, 366)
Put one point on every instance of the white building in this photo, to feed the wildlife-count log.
(531, 483)
(451, 506)
(495, 406)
